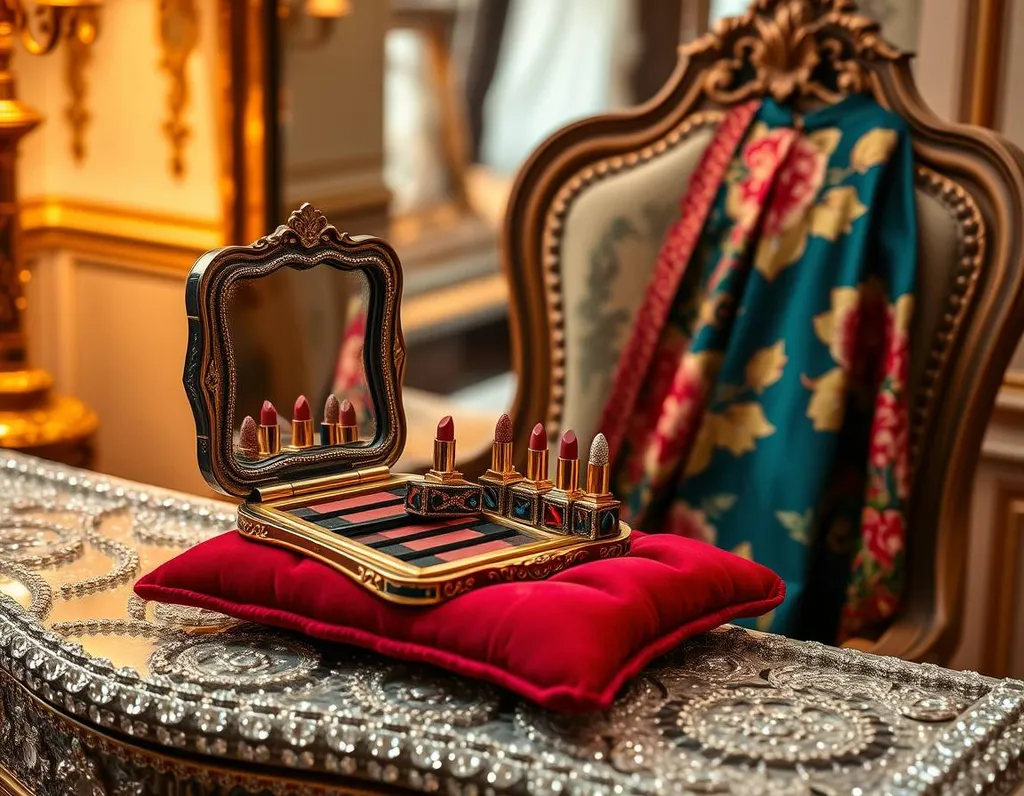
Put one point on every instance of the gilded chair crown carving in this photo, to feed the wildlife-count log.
(589, 209)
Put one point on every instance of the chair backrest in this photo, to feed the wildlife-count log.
(590, 207)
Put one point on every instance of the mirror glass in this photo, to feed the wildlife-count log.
(301, 333)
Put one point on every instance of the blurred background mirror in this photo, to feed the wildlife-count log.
(468, 89)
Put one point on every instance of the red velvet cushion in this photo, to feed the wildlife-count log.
(568, 643)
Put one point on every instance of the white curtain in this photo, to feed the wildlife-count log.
(728, 8)
(414, 166)
(560, 60)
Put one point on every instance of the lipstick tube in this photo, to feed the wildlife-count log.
(329, 425)
(302, 424)
(567, 475)
(525, 503)
(556, 505)
(444, 470)
(443, 492)
(269, 434)
(444, 455)
(598, 479)
(595, 514)
(348, 428)
(537, 465)
(497, 482)
(248, 439)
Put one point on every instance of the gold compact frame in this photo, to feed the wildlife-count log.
(210, 377)
(398, 582)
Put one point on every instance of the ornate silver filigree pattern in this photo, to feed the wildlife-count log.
(237, 660)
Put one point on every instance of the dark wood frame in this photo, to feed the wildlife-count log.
(306, 241)
(813, 51)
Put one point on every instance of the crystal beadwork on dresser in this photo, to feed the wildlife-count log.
(102, 693)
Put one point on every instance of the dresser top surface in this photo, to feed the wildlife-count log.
(727, 712)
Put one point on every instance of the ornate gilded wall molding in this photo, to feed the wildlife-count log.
(178, 31)
(76, 60)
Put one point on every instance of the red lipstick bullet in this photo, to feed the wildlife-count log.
(269, 434)
(302, 424)
(444, 446)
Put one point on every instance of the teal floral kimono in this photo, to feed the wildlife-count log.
(760, 403)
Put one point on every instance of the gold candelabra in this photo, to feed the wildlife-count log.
(32, 417)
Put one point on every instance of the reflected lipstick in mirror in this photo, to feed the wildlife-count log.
(329, 430)
(269, 434)
(498, 480)
(348, 429)
(526, 495)
(248, 439)
(302, 424)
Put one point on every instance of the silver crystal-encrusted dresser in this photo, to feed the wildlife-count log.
(102, 694)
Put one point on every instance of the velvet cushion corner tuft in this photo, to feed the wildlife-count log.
(568, 643)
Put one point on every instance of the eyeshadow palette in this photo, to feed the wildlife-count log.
(367, 533)
(325, 487)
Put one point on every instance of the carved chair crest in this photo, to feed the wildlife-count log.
(791, 48)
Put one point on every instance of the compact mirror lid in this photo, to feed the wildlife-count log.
(305, 311)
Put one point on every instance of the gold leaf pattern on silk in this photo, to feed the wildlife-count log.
(835, 214)
(777, 253)
(797, 525)
(738, 428)
(825, 140)
(827, 406)
(703, 447)
(766, 366)
(872, 149)
(828, 325)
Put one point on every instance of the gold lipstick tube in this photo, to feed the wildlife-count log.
(499, 479)
(347, 433)
(537, 466)
(302, 433)
(501, 457)
(330, 433)
(443, 491)
(269, 440)
(444, 455)
(567, 475)
(598, 479)
(525, 503)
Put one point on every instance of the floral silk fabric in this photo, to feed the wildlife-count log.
(761, 401)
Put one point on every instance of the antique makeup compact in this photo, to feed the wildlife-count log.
(309, 317)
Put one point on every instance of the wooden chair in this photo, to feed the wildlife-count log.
(590, 207)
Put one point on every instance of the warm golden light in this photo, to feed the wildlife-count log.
(328, 9)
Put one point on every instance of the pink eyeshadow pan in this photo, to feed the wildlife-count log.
(445, 538)
(475, 550)
(351, 503)
(376, 514)
(398, 533)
